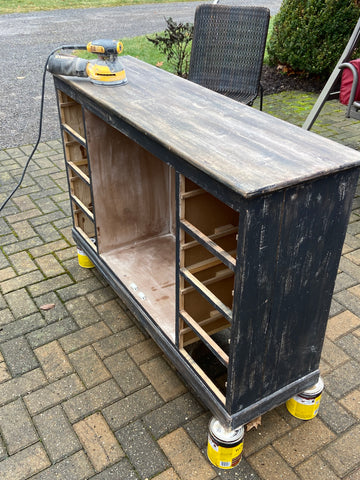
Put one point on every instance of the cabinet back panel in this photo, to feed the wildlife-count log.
(132, 188)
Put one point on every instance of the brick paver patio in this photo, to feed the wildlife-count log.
(84, 393)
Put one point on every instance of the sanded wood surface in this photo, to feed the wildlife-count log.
(247, 150)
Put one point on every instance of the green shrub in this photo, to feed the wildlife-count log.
(175, 43)
(309, 36)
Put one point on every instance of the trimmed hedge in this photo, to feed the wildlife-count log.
(309, 36)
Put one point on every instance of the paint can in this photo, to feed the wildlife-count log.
(306, 405)
(84, 260)
(225, 446)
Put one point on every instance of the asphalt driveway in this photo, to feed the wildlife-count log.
(27, 39)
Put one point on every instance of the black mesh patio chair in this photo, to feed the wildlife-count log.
(228, 50)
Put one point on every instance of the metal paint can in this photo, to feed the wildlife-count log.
(84, 260)
(306, 405)
(225, 446)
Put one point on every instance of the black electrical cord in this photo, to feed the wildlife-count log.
(62, 47)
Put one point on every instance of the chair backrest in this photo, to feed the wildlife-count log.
(228, 49)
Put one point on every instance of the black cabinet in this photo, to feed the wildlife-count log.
(220, 227)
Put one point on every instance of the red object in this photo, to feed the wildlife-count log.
(346, 83)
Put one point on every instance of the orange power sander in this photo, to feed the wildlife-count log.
(106, 69)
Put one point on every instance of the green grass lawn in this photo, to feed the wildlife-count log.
(22, 6)
(141, 48)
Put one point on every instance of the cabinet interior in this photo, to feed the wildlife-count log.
(208, 244)
(77, 165)
(134, 201)
(130, 195)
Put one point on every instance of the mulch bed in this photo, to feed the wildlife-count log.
(274, 81)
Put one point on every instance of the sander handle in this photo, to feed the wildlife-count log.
(67, 65)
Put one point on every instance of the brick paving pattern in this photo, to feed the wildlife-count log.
(85, 394)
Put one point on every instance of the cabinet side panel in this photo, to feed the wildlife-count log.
(282, 343)
(131, 187)
(313, 231)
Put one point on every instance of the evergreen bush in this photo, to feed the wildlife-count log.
(309, 36)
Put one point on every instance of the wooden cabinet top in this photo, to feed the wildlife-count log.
(248, 151)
